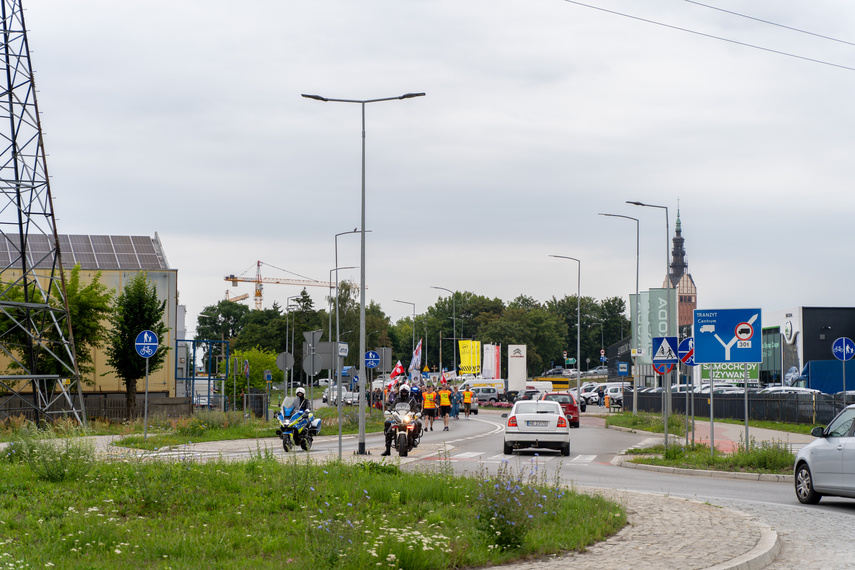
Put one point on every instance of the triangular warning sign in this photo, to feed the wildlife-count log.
(666, 351)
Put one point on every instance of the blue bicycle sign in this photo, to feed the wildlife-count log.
(146, 344)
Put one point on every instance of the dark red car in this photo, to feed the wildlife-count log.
(568, 405)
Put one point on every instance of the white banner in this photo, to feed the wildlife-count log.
(517, 367)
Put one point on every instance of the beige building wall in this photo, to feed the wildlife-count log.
(104, 380)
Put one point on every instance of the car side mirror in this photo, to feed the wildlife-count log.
(818, 431)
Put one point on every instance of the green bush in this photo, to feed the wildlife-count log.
(52, 458)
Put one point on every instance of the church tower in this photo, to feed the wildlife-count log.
(681, 279)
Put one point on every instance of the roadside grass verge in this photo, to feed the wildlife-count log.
(270, 513)
(780, 426)
(765, 457)
(221, 426)
(646, 421)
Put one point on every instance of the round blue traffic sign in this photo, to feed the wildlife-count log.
(372, 359)
(146, 344)
(843, 348)
(663, 368)
(686, 351)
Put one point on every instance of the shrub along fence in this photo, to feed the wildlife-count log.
(790, 408)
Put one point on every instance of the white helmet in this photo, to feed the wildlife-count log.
(301, 391)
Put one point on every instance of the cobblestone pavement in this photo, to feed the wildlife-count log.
(664, 532)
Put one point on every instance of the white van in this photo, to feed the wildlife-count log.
(499, 385)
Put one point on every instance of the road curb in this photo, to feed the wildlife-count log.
(763, 553)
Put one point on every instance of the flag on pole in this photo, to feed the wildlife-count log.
(397, 371)
(416, 362)
(246, 368)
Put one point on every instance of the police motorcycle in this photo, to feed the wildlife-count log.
(296, 426)
(405, 427)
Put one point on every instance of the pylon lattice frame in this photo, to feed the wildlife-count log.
(35, 331)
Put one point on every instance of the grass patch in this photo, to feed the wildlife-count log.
(765, 457)
(646, 421)
(269, 513)
(779, 426)
(223, 426)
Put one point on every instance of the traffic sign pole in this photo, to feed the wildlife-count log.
(146, 345)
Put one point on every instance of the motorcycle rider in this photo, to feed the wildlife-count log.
(302, 402)
(403, 398)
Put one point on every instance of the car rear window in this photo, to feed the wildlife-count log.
(537, 408)
(560, 398)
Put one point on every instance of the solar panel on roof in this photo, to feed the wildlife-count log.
(143, 244)
(86, 260)
(149, 262)
(107, 261)
(128, 261)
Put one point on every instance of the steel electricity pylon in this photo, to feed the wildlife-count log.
(38, 367)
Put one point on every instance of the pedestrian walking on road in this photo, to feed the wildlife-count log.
(456, 398)
(445, 405)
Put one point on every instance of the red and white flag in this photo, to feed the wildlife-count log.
(397, 371)
(416, 362)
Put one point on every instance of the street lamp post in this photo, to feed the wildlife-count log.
(335, 352)
(353, 231)
(637, 313)
(362, 102)
(667, 391)
(578, 322)
(454, 325)
(414, 323)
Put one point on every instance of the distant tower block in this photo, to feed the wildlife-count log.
(38, 367)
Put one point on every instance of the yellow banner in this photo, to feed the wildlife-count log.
(470, 356)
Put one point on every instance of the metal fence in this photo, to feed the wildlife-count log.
(789, 408)
(107, 406)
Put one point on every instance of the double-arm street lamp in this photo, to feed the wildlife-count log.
(361, 360)
(453, 324)
(668, 313)
(578, 322)
(635, 332)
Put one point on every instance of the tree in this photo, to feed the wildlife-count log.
(137, 309)
(88, 307)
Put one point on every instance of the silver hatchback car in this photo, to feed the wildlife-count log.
(827, 466)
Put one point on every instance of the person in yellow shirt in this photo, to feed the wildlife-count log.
(445, 405)
(467, 401)
(429, 406)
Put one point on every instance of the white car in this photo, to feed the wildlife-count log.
(827, 466)
(537, 423)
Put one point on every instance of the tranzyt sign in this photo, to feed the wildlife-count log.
(728, 335)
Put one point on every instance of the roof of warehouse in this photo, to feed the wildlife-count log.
(90, 251)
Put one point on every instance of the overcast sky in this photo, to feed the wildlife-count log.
(185, 118)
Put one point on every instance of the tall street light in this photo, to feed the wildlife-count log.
(335, 352)
(362, 102)
(637, 313)
(667, 390)
(353, 231)
(414, 327)
(453, 325)
(578, 322)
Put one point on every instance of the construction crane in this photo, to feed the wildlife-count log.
(259, 282)
(236, 299)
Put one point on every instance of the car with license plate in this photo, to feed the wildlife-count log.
(568, 405)
(826, 466)
(539, 424)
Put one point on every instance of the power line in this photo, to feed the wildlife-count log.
(678, 28)
(770, 23)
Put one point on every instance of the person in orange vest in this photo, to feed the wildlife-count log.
(467, 401)
(429, 406)
(445, 405)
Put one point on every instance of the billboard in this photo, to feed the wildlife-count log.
(470, 356)
(517, 367)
